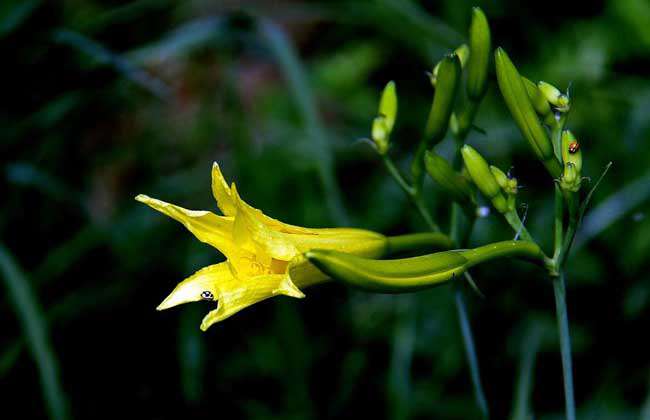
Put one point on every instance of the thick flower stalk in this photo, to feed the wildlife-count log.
(264, 257)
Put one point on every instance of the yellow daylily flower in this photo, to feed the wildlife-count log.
(264, 256)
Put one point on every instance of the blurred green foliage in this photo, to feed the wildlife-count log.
(104, 100)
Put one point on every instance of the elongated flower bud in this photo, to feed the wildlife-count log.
(382, 125)
(520, 106)
(451, 181)
(412, 274)
(571, 150)
(483, 178)
(479, 59)
(553, 95)
(448, 79)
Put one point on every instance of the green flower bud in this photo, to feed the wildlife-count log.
(520, 106)
(388, 105)
(553, 95)
(444, 175)
(448, 79)
(507, 183)
(380, 134)
(483, 178)
(479, 59)
(570, 180)
(463, 55)
(571, 151)
(416, 273)
(541, 105)
(382, 125)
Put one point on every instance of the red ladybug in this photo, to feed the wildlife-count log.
(574, 146)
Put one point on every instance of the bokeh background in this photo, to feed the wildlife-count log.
(102, 100)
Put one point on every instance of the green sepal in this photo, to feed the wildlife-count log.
(516, 97)
(479, 58)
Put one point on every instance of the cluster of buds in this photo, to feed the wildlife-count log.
(528, 103)
(492, 182)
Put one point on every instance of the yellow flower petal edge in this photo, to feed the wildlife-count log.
(264, 256)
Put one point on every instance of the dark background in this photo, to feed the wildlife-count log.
(105, 100)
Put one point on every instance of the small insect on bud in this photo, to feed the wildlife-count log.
(571, 150)
(207, 295)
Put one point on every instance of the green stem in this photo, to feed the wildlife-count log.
(515, 222)
(412, 241)
(470, 352)
(565, 344)
(572, 228)
(417, 167)
(559, 213)
(397, 176)
(524, 249)
(465, 118)
(411, 192)
(419, 205)
(532, 341)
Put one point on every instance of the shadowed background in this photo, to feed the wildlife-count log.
(105, 100)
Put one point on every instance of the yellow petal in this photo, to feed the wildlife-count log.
(206, 226)
(251, 233)
(200, 286)
(304, 274)
(221, 192)
(236, 294)
(354, 241)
